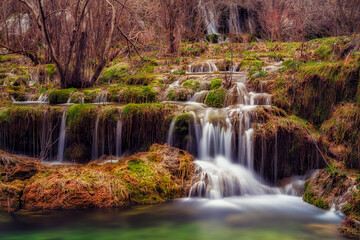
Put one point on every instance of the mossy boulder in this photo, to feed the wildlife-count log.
(216, 98)
(116, 73)
(57, 96)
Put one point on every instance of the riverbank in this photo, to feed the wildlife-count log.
(155, 176)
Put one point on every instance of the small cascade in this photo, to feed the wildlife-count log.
(44, 98)
(221, 178)
(62, 138)
(276, 158)
(216, 136)
(118, 138)
(208, 12)
(95, 144)
(225, 141)
(170, 137)
(207, 67)
(199, 96)
(101, 97)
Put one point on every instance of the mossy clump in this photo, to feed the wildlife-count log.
(343, 129)
(57, 96)
(51, 70)
(116, 73)
(179, 94)
(90, 95)
(216, 98)
(132, 94)
(216, 84)
(192, 84)
(77, 97)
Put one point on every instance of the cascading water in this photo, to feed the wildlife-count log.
(62, 138)
(118, 138)
(225, 154)
(95, 145)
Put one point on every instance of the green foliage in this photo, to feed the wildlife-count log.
(213, 38)
(90, 95)
(132, 94)
(216, 84)
(324, 51)
(118, 72)
(51, 70)
(192, 84)
(57, 96)
(320, 203)
(216, 98)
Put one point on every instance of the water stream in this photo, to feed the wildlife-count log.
(62, 138)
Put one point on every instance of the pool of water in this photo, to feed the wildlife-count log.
(274, 217)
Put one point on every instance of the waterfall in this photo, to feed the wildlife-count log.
(95, 144)
(118, 138)
(62, 138)
(169, 140)
(276, 158)
(205, 67)
(208, 12)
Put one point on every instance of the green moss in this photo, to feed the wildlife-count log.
(132, 109)
(78, 114)
(51, 70)
(320, 203)
(216, 84)
(90, 95)
(57, 96)
(146, 183)
(216, 98)
(192, 84)
(324, 51)
(77, 98)
(182, 123)
(118, 72)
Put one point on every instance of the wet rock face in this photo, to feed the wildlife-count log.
(155, 176)
(285, 154)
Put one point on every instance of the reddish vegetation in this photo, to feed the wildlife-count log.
(158, 175)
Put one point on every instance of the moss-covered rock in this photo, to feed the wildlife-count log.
(116, 73)
(216, 98)
(286, 145)
(343, 129)
(155, 176)
(132, 94)
(57, 96)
